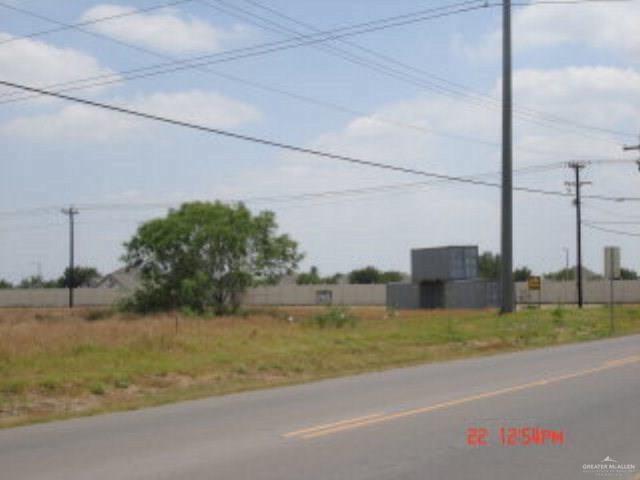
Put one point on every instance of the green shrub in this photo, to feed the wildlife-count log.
(336, 317)
(94, 315)
(97, 389)
(49, 385)
(557, 316)
(13, 388)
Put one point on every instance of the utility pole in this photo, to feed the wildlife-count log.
(71, 212)
(577, 166)
(506, 247)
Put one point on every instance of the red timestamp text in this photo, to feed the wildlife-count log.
(515, 436)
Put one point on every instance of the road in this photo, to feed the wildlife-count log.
(410, 423)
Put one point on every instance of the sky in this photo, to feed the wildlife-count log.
(422, 95)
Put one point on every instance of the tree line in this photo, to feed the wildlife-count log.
(362, 276)
(82, 277)
(203, 256)
(489, 268)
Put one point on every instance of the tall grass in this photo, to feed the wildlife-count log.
(56, 362)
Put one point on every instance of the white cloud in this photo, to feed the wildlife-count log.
(88, 124)
(37, 63)
(165, 30)
(601, 25)
(382, 228)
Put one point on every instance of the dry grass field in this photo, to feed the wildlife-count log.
(56, 363)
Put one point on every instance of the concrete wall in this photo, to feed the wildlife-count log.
(278, 295)
(59, 297)
(315, 295)
(625, 291)
(595, 291)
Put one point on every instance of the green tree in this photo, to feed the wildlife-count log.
(205, 255)
(369, 275)
(521, 274)
(489, 265)
(312, 277)
(489, 268)
(4, 284)
(36, 281)
(366, 275)
(628, 274)
(333, 279)
(82, 277)
(563, 274)
(391, 276)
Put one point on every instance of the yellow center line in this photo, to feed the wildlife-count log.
(329, 425)
(358, 422)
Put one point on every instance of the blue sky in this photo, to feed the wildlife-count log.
(576, 62)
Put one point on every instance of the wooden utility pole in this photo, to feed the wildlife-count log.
(71, 213)
(577, 166)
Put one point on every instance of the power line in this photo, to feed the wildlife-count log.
(294, 148)
(262, 86)
(138, 11)
(270, 47)
(450, 89)
(261, 141)
(609, 230)
(93, 21)
(613, 214)
(181, 64)
(383, 188)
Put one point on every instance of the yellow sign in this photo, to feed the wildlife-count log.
(534, 283)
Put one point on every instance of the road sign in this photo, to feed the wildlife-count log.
(534, 283)
(612, 262)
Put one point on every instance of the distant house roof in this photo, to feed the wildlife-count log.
(590, 274)
(124, 278)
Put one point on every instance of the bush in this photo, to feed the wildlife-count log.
(336, 317)
(558, 316)
(97, 389)
(94, 315)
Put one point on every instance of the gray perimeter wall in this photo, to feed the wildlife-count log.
(278, 295)
(596, 291)
(315, 295)
(625, 291)
(59, 297)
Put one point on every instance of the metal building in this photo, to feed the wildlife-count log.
(443, 277)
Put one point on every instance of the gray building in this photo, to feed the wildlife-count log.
(443, 277)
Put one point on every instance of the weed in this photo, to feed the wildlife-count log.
(336, 317)
(69, 356)
(13, 388)
(122, 382)
(49, 385)
(557, 316)
(95, 315)
(97, 389)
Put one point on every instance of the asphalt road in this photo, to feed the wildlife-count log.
(410, 423)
